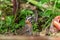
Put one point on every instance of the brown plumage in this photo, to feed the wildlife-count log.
(27, 30)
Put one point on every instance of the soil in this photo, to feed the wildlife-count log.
(3, 37)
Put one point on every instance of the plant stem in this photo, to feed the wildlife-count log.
(54, 6)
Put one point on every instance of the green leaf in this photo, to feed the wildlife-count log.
(9, 20)
(43, 1)
(26, 12)
(58, 5)
(34, 26)
(22, 22)
(0, 12)
(47, 13)
(17, 25)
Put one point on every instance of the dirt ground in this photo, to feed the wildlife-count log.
(3, 37)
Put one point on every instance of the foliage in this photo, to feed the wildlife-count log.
(50, 9)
